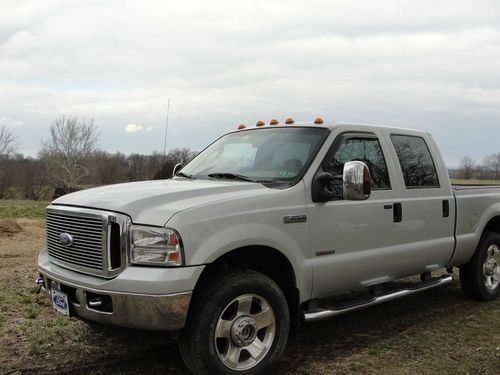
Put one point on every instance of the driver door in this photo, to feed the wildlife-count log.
(355, 243)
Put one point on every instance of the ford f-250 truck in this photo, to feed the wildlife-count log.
(244, 242)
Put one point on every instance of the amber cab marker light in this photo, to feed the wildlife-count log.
(318, 120)
(241, 126)
(289, 121)
(260, 123)
(274, 122)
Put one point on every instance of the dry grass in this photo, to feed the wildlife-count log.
(436, 332)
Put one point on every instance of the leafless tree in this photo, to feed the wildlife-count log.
(71, 142)
(467, 167)
(491, 166)
(33, 178)
(8, 145)
(8, 142)
(177, 155)
(108, 168)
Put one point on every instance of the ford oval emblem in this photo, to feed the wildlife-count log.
(59, 301)
(66, 239)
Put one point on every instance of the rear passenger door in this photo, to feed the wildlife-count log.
(427, 206)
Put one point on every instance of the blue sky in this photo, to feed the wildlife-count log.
(427, 65)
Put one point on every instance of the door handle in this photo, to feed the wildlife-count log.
(446, 208)
(397, 212)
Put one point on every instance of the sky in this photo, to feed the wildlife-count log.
(427, 65)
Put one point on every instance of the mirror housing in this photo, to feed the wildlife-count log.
(176, 169)
(356, 181)
(321, 184)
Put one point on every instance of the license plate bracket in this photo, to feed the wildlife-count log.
(60, 302)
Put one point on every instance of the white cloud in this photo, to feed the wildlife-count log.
(426, 64)
(134, 128)
(10, 122)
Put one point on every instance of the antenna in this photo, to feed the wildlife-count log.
(165, 139)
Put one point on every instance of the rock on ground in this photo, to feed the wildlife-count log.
(8, 226)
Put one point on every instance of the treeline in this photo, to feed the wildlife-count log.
(70, 160)
(487, 169)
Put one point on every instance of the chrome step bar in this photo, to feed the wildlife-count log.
(325, 313)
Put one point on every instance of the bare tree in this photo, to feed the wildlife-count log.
(33, 178)
(491, 165)
(8, 146)
(71, 142)
(109, 168)
(467, 167)
(177, 155)
(8, 142)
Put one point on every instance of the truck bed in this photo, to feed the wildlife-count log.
(475, 207)
(474, 187)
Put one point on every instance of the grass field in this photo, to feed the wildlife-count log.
(435, 332)
(11, 209)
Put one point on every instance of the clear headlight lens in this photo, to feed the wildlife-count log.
(155, 246)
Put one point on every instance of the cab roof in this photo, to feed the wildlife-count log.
(334, 125)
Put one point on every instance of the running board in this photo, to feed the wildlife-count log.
(325, 313)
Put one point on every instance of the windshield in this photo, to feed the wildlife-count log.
(263, 155)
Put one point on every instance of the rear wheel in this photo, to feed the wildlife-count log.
(480, 277)
(238, 324)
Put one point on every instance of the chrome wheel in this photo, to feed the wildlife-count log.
(245, 332)
(491, 268)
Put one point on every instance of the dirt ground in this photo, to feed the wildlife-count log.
(436, 332)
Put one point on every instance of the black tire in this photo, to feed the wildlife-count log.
(200, 349)
(473, 273)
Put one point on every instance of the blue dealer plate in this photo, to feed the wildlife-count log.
(60, 302)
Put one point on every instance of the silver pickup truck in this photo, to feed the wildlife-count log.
(247, 240)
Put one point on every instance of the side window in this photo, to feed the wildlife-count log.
(416, 162)
(367, 150)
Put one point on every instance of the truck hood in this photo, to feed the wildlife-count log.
(155, 202)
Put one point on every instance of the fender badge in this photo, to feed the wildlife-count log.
(289, 219)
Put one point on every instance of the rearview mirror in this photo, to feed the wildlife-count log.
(326, 187)
(356, 181)
(176, 169)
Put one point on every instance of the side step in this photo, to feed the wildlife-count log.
(325, 313)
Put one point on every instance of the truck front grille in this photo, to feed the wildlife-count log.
(89, 241)
(87, 235)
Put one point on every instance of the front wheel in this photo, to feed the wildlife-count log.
(480, 277)
(238, 324)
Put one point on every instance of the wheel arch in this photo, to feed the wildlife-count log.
(267, 260)
(493, 225)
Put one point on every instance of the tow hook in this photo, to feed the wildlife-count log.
(39, 282)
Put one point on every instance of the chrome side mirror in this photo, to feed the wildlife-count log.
(356, 181)
(176, 169)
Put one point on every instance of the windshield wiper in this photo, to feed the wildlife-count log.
(233, 176)
(240, 177)
(182, 174)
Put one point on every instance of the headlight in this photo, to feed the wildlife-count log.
(155, 246)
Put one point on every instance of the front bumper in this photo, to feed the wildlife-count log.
(123, 299)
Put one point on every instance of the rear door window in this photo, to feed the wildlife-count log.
(416, 162)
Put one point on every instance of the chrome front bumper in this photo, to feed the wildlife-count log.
(148, 312)
(108, 303)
